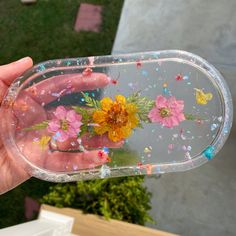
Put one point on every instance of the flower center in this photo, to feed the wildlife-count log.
(165, 112)
(117, 116)
(64, 125)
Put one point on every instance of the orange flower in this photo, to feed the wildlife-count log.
(117, 118)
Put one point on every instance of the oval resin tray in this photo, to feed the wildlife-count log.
(107, 116)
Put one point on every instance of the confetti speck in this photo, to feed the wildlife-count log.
(105, 171)
(144, 73)
(179, 77)
(214, 126)
(220, 118)
(209, 152)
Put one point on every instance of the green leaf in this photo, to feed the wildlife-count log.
(192, 117)
(38, 126)
(143, 104)
(90, 102)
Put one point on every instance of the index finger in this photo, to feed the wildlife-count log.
(44, 92)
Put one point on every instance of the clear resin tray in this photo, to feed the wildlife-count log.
(107, 116)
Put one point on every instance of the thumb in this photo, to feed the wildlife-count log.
(9, 72)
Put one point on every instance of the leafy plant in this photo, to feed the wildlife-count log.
(119, 198)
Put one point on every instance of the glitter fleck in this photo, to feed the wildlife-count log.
(41, 67)
(105, 171)
(170, 146)
(187, 155)
(147, 149)
(144, 73)
(220, 118)
(214, 126)
(209, 152)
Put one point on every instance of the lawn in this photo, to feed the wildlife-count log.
(45, 31)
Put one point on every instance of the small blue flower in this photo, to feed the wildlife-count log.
(106, 149)
(209, 152)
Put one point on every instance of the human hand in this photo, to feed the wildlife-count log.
(29, 111)
(11, 174)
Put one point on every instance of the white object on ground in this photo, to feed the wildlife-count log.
(48, 224)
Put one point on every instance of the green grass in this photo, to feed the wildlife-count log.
(45, 31)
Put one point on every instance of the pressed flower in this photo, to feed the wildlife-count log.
(202, 98)
(66, 124)
(167, 111)
(43, 142)
(116, 118)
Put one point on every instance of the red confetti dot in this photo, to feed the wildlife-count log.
(138, 64)
(100, 153)
(113, 81)
(179, 77)
(139, 164)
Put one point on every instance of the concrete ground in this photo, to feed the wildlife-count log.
(202, 201)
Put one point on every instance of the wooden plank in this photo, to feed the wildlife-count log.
(92, 225)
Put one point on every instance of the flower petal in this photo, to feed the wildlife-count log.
(154, 115)
(76, 125)
(181, 117)
(175, 105)
(174, 121)
(71, 132)
(167, 122)
(161, 101)
(99, 116)
(120, 99)
(101, 129)
(106, 103)
(60, 113)
(62, 136)
(131, 108)
(125, 132)
(72, 116)
(53, 126)
(114, 135)
(133, 121)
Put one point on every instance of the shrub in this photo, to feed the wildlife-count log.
(122, 198)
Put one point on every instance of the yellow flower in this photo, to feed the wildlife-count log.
(202, 98)
(43, 142)
(117, 118)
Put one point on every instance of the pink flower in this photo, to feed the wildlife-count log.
(168, 112)
(65, 125)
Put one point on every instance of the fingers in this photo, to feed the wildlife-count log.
(98, 141)
(27, 111)
(57, 86)
(9, 72)
(64, 161)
